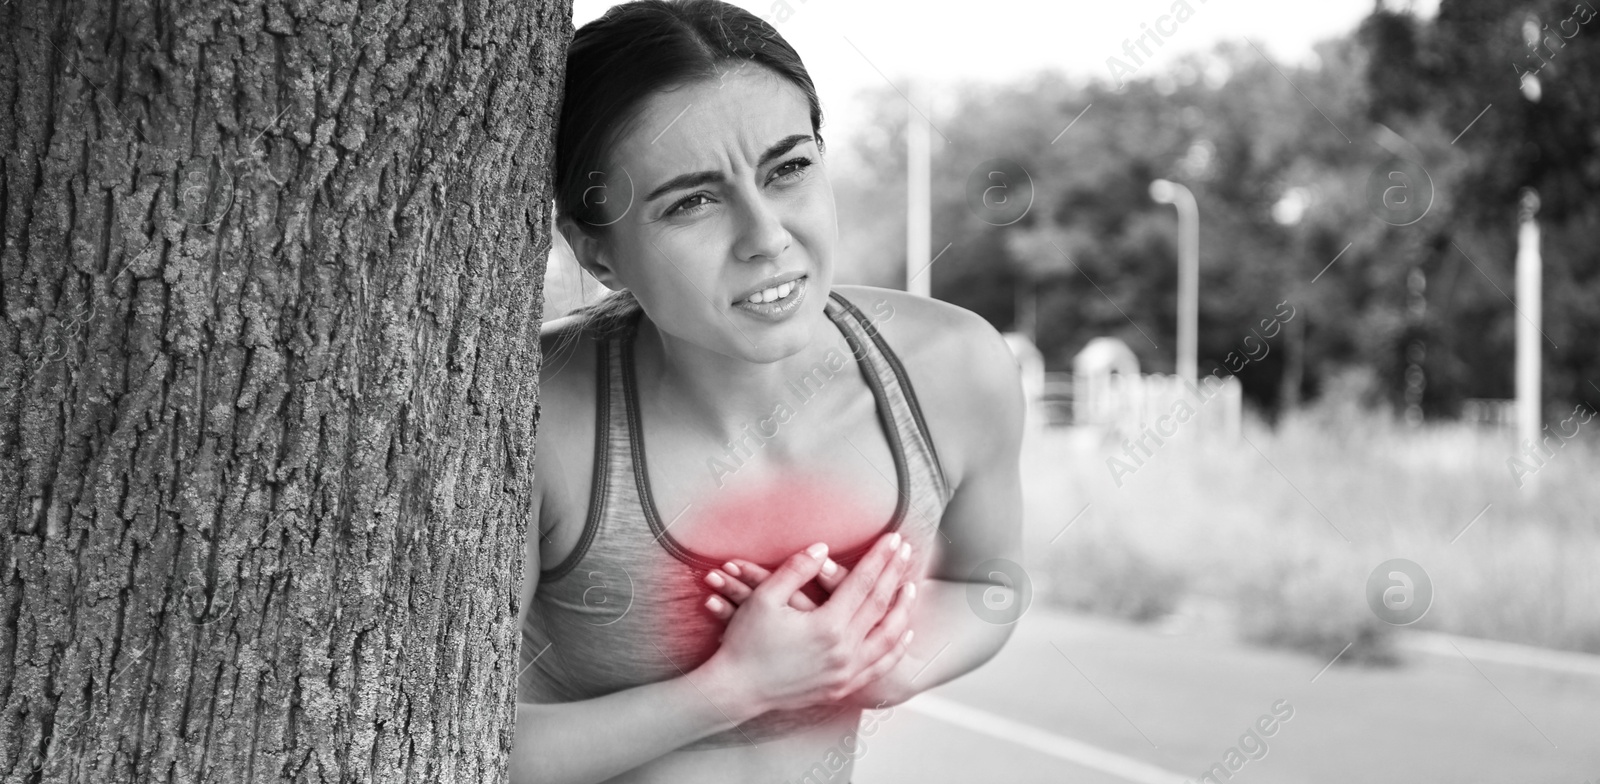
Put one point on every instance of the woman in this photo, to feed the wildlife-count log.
(682, 618)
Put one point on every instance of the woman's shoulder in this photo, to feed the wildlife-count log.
(567, 362)
(927, 331)
(958, 363)
(883, 306)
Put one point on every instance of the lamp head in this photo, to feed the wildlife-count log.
(1162, 191)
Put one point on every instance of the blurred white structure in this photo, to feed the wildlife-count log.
(1109, 392)
(1093, 371)
(1489, 412)
(1168, 192)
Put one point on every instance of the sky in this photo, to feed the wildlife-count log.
(849, 45)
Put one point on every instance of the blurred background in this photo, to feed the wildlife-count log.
(1396, 299)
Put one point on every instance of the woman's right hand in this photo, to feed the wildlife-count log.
(784, 658)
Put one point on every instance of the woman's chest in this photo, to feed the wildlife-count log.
(800, 476)
(822, 471)
(835, 461)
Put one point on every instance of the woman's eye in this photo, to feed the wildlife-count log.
(686, 208)
(792, 169)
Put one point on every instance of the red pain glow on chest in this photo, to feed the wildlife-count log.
(770, 522)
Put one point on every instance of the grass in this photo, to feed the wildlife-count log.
(1279, 530)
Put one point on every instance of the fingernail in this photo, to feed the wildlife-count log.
(905, 551)
(909, 634)
(911, 590)
(714, 578)
(829, 567)
(817, 550)
(731, 568)
(714, 604)
(894, 540)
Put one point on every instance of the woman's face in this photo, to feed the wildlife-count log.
(728, 191)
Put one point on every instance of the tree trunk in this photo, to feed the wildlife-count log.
(269, 306)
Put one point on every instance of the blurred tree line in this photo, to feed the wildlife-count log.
(1290, 167)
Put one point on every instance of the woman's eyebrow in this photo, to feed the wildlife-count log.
(700, 178)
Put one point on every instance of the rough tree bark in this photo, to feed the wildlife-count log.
(269, 304)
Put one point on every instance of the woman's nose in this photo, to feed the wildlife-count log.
(761, 231)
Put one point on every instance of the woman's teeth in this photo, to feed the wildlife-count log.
(768, 295)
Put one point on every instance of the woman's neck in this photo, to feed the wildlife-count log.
(720, 395)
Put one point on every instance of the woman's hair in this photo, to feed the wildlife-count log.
(632, 52)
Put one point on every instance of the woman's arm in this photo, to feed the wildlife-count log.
(593, 740)
(971, 599)
(953, 641)
(947, 606)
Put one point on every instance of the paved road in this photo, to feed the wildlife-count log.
(1078, 699)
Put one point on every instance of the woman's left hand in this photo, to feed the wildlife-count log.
(738, 577)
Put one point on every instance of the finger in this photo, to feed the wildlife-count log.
(831, 575)
(894, 623)
(882, 666)
(731, 588)
(882, 594)
(858, 585)
(750, 571)
(718, 607)
(795, 572)
(752, 575)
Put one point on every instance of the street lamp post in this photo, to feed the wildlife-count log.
(1168, 192)
(1529, 416)
(919, 241)
(1529, 304)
